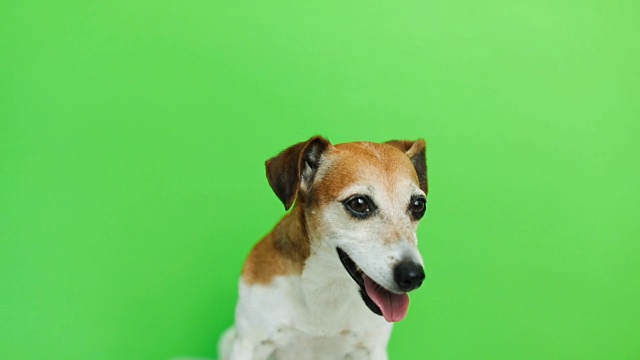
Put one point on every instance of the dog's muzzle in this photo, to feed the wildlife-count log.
(392, 305)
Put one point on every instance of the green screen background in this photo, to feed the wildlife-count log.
(133, 136)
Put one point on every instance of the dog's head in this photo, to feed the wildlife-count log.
(365, 200)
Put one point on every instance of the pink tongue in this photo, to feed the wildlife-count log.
(393, 306)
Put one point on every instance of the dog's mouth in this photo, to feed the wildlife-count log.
(390, 305)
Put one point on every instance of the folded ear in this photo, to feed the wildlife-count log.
(294, 168)
(416, 151)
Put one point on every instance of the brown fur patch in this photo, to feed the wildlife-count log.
(416, 151)
(281, 252)
(360, 162)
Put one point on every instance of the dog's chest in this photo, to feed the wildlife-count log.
(326, 330)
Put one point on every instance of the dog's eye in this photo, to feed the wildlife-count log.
(359, 206)
(417, 207)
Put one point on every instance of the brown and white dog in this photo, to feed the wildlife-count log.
(333, 275)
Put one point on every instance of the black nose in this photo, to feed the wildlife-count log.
(408, 275)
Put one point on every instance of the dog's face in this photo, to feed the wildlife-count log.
(366, 200)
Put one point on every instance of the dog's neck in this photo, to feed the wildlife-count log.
(331, 296)
(291, 236)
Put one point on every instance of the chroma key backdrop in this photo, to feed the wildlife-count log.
(133, 136)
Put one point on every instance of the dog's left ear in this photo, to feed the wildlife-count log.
(294, 168)
(416, 151)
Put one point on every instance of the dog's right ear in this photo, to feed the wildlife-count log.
(415, 150)
(294, 168)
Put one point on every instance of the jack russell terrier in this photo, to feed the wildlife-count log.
(333, 275)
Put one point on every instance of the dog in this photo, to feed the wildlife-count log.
(332, 277)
